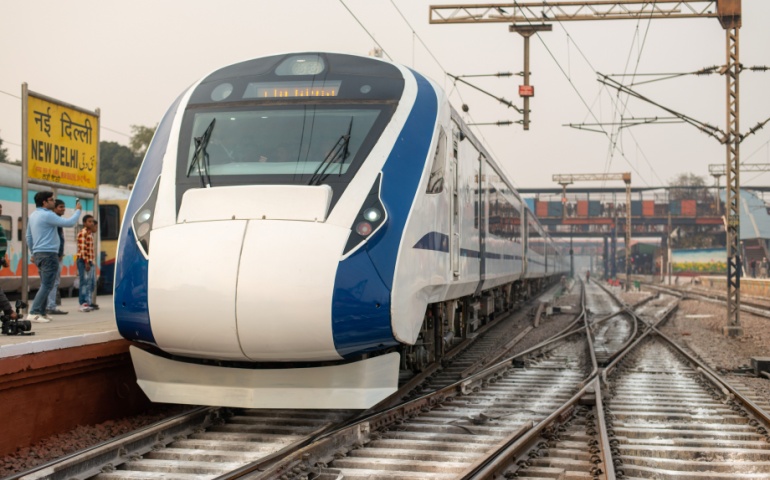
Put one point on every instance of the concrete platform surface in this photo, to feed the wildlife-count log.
(65, 331)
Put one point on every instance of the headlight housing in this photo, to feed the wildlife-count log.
(142, 221)
(368, 220)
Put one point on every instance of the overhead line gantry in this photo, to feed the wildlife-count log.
(570, 178)
(527, 18)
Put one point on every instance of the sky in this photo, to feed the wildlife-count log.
(132, 59)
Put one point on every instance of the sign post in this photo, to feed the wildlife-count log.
(60, 150)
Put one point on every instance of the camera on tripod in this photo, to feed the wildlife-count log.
(15, 326)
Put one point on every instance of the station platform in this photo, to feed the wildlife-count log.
(75, 329)
(75, 370)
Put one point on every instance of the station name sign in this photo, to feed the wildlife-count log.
(62, 143)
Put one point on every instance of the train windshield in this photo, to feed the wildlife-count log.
(308, 144)
(280, 142)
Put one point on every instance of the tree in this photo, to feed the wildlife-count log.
(119, 165)
(3, 153)
(691, 187)
(141, 137)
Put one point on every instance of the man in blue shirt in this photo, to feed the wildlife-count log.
(43, 241)
(53, 309)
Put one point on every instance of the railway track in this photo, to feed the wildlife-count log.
(203, 443)
(754, 307)
(209, 442)
(671, 418)
(538, 414)
(449, 433)
(499, 341)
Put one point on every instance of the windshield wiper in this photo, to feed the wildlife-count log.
(200, 151)
(339, 149)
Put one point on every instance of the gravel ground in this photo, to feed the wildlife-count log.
(57, 446)
(696, 325)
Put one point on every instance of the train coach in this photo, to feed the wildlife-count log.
(112, 201)
(305, 226)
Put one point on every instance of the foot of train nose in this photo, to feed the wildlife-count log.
(355, 385)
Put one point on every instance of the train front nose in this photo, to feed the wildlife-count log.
(253, 288)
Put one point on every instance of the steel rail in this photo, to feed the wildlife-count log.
(91, 461)
(355, 432)
(746, 306)
(715, 378)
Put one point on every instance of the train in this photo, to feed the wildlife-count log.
(112, 201)
(305, 228)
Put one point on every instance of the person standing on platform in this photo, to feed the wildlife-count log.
(94, 232)
(43, 243)
(764, 268)
(58, 209)
(86, 263)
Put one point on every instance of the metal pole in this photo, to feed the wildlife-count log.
(668, 251)
(571, 255)
(732, 209)
(628, 230)
(526, 79)
(97, 243)
(24, 195)
(606, 255)
(527, 31)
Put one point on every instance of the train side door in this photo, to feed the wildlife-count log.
(455, 207)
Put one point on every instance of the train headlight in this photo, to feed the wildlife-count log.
(143, 224)
(368, 220)
(372, 214)
(364, 229)
(142, 221)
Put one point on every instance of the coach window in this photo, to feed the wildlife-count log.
(19, 226)
(436, 180)
(5, 222)
(109, 225)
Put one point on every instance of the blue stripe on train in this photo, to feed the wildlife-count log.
(439, 242)
(131, 268)
(361, 300)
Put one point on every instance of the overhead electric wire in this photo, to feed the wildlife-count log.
(611, 136)
(418, 37)
(18, 97)
(366, 30)
(446, 74)
(582, 99)
(10, 94)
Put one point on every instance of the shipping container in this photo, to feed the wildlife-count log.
(688, 208)
(676, 207)
(582, 210)
(542, 209)
(555, 208)
(594, 208)
(648, 208)
(530, 204)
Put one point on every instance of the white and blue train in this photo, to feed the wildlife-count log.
(306, 225)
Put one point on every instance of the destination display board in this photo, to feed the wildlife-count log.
(62, 143)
